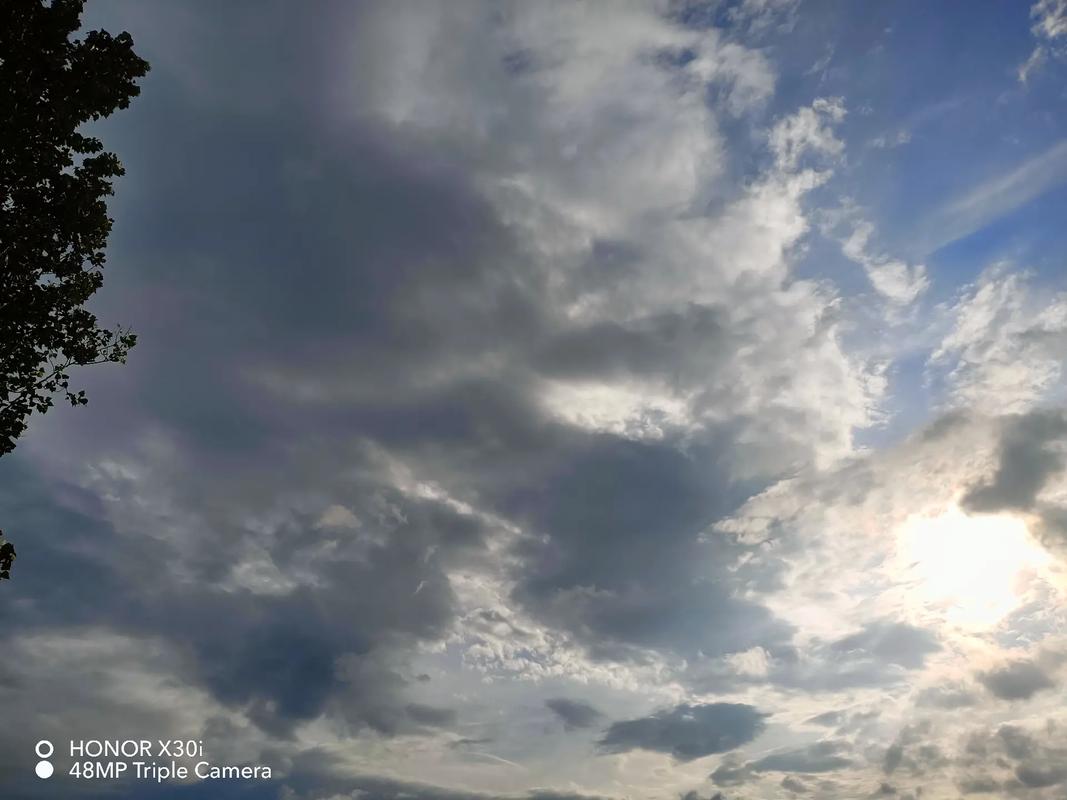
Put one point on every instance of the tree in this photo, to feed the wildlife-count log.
(54, 182)
(7, 557)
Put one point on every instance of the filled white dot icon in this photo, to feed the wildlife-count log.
(44, 769)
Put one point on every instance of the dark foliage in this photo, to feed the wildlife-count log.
(7, 557)
(54, 182)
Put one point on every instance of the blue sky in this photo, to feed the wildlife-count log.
(561, 400)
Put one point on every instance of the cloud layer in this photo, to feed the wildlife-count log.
(526, 408)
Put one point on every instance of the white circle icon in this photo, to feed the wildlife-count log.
(44, 769)
(44, 744)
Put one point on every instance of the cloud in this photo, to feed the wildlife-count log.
(880, 654)
(760, 16)
(888, 142)
(947, 696)
(914, 752)
(894, 754)
(654, 592)
(687, 732)
(351, 479)
(1026, 462)
(893, 643)
(815, 758)
(1006, 344)
(1050, 25)
(808, 132)
(791, 784)
(731, 772)
(825, 756)
(827, 718)
(372, 787)
(574, 713)
(1014, 758)
(1027, 476)
(1019, 680)
(999, 195)
(1039, 777)
(978, 784)
(898, 282)
(477, 376)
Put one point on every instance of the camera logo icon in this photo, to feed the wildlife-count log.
(44, 750)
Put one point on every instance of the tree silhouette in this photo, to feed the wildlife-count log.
(53, 212)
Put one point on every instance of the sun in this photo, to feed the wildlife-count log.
(971, 569)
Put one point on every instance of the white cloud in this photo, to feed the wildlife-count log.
(577, 107)
(840, 533)
(891, 140)
(900, 283)
(883, 539)
(1049, 27)
(599, 132)
(999, 195)
(1007, 345)
(638, 412)
(809, 130)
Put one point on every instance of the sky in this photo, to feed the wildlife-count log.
(545, 401)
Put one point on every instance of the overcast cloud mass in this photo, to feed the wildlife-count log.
(562, 400)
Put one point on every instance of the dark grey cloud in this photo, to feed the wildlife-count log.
(277, 656)
(203, 790)
(882, 653)
(279, 215)
(381, 310)
(380, 788)
(818, 757)
(310, 295)
(574, 713)
(827, 718)
(1015, 741)
(794, 785)
(914, 752)
(673, 345)
(731, 772)
(1018, 680)
(1040, 776)
(1025, 462)
(663, 591)
(1030, 453)
(825, 756)
(894, 754)
(687, 731)
(1051, 528)
(890, 643)
(1013, 759)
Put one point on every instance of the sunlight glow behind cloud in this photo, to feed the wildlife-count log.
(973, 570)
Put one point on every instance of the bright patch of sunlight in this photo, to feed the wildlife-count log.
(971, 568)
